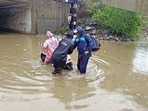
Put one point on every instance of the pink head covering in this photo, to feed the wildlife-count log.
(49, 34)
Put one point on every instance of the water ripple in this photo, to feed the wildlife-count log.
(140, 62)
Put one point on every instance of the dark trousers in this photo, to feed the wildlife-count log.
(57, 69)
(82, 63)
(43, 56)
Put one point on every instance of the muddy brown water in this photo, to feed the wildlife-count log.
(116, 78)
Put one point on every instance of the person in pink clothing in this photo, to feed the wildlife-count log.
(49, 46)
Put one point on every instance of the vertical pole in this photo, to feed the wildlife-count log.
(75, 16)
(71, 19)
(73, 9)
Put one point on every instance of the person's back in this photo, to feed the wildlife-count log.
(64, 48)
(49, 45)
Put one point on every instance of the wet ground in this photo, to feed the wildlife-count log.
(116, 79)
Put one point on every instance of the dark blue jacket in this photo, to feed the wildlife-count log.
(83, 43)
(65, 47)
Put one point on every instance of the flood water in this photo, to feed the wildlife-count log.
(116, 78)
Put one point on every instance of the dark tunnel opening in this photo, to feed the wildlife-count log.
(9, 10)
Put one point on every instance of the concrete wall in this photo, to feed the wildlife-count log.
(140, 6)
(15, 16)
(48, 15)
(38, 16)
(20, 22)
(34, 16)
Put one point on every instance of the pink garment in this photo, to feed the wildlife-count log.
(49, 45)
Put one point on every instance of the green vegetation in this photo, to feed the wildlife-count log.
(117, 21)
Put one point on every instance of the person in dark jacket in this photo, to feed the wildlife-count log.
(84, 44)
(59, 56)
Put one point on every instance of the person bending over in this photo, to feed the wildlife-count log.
(59, 56)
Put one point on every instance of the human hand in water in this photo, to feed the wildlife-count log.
(86, 52)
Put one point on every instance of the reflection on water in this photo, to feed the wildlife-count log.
(111, 82)
(140, 62)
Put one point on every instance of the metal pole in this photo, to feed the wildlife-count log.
(73, 9)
